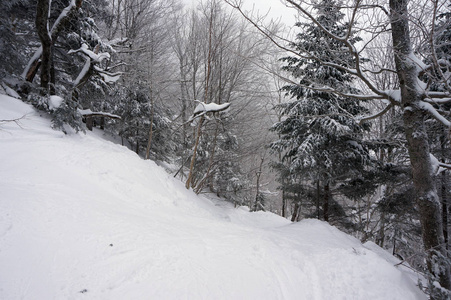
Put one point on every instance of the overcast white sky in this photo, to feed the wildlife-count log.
(275, 8)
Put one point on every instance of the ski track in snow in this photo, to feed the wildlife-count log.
(83, 218)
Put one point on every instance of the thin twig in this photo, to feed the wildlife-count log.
(17, 121)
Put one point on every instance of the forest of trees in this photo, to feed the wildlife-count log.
(344, 118)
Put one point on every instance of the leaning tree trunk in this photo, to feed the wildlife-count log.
(190, 180)
(417, 143)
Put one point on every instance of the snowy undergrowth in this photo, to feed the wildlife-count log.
(84, 218)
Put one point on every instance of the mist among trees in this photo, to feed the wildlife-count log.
(343, 116)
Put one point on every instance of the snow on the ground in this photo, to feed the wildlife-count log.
(84, 218)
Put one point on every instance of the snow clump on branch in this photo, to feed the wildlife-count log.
(203, 108)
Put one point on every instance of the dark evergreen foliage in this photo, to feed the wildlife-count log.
(16, 38)
(320, 139)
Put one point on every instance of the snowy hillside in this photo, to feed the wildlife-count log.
(83, 218)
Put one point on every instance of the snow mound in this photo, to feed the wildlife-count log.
(84, 218)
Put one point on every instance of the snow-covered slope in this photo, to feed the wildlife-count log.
(83, 218)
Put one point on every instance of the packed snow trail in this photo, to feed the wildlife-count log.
(84, 218)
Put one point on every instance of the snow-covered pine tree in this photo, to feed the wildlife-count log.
(140, 32)
(440, 58)
(81, 61)
(319, 134)
(135, 108)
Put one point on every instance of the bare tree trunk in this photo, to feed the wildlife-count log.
(89, 123)
(42, 15)
(137, 141)
(184, 95)
(298, 217)
(259, 173)
(68, 14)
(294, 217)
(193, 158)
(318, 193)
(52, 85)
(189, 181)
(149, 143)
(284, 204)
(210, 164)
(444, 188)
(184, 118)
(418, 147)
(381, 234)
(33, 70)
(444, 206)
(326, 202)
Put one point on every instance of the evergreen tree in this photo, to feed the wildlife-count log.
(65, 27)
(319, 134)
(16, 23)
(227, 178)
(440, 59)
(135, 108)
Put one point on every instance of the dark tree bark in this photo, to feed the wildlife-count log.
(89, 123)
(137, 142)
(149, 141)
(52, 74)
(444, 197)
(417, 143)
(444, 188)
(71, 13)
(294, 217)
(326, 202)
(381, 234)
(257, 200)
(318, 193)
(42, 14)
(33, 70)
(284, 204)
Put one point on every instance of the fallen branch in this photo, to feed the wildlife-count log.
(17, 121)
